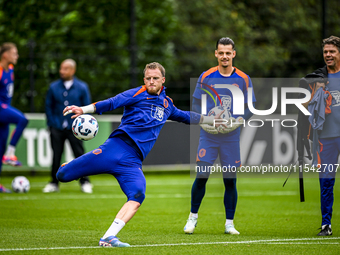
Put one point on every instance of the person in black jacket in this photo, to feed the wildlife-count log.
(327, 78)
(68, 90)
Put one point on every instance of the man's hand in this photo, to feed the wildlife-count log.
(73, 109)
(319, 85)
(218, 122)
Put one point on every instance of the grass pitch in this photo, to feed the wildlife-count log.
(270, 218)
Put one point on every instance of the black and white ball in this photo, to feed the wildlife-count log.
(85, 127)
(21, 184)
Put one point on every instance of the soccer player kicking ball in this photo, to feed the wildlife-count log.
(146, 109)
(224, 142)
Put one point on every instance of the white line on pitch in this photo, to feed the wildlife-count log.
(242, 242)
(106, 196)
(303, 243)
(271, 241)
(189, 181)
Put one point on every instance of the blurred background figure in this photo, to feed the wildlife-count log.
(68, 90)
(8, 114)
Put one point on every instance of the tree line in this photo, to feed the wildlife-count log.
(278, 39)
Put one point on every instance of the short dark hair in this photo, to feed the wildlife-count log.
(332, 40)
(225, 41)
(6, 47)
(155, 65)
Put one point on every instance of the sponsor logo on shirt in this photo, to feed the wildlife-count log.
(336, 96)
(165, 103)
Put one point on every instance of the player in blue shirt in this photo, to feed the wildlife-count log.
(214, 142)
(9, 114)
(146, 109)
(328, 78)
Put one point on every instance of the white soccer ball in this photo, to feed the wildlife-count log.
(216, 110)
(21, 184)
(85, 127)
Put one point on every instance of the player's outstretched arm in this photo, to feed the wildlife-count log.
(191, 117)
(79, 110)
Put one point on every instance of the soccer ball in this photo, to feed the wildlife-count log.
(20, 184)
(216, 110)
(85, 127)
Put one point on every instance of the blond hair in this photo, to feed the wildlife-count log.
(155, 65)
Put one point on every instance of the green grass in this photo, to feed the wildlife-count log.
(38, 222)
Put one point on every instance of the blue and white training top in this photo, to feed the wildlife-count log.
(222, 96)
(144, 115)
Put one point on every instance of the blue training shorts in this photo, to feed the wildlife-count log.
(329, 156)
(229, 151)
(113, 157)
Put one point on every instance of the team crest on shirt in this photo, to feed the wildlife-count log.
(336, 96)
(226, 102)
(157, 112)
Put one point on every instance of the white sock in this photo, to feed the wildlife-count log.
(115, 227)
(229, 222)
(10, 151)
(195, 215)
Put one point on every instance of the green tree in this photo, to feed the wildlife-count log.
(94, 33)
(273, 39)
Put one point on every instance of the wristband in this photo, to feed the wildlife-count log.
(208, 120)
(88, 108)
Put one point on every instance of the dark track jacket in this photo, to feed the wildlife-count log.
(58, 97)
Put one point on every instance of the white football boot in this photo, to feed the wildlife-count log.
(230, 229)
(191, 224)
(86, 187)
(50, 187)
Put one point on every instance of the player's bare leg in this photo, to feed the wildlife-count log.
(128, 210)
